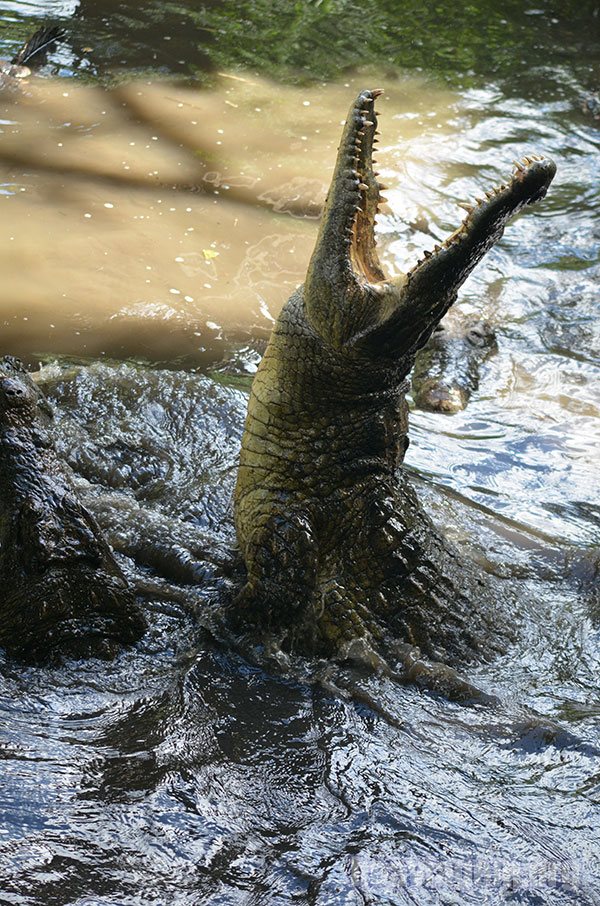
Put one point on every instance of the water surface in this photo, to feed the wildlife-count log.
(147, 219)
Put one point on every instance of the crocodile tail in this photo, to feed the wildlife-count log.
(39, 43)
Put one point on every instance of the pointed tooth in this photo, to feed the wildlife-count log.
(479, 200)
(519, 166)
(368, 123)
(363, 186)
(465, 206)
(427, 254)
(382, 187)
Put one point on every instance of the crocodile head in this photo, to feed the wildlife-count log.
(348, 297)
(20, 400)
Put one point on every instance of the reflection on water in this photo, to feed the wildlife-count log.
(167, 223)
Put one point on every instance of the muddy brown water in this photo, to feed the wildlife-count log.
(163, 222)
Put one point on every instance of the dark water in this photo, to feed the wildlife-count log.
(182, 773)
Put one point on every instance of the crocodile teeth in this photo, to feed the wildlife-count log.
(382, 187)
(427, 254)
(519, 166)
(363, 186)
(489, 195)
(368, 123)
(466, 207)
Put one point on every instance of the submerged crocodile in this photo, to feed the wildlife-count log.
(447, 369)
(63, 591)
(336, 545)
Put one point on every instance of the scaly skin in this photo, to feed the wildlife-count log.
(63, 592)
(335, 543)
(447, 368)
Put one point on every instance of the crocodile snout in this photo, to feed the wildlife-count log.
(13, 391)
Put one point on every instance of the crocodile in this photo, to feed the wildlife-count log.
(337, 548)
(447, 369)
(64, 592)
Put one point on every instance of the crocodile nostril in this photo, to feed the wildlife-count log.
(12, 390)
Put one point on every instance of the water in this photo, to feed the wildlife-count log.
(182, 773)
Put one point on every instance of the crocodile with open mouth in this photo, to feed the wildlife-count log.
(336, 545)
